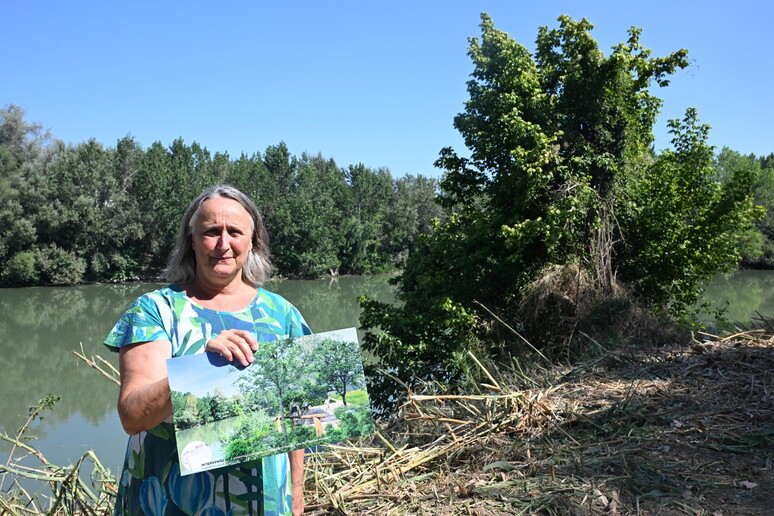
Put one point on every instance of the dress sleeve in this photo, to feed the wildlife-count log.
(296, 324)
(142, 322)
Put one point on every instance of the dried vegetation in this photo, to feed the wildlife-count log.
(668, 430)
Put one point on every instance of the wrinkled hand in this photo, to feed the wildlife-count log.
(234, 346)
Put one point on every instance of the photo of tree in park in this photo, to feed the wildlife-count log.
(298, 393)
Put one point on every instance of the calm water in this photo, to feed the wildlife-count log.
(40, 327)
(742, 295)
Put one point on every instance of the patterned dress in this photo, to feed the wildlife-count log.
(150, 482)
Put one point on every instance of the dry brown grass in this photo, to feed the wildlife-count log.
(670, 430)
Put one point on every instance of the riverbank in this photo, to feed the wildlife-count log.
(654, 431)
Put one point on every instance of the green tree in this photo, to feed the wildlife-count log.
(222, 407)
(411, 214)
(560, 173)
(339, 366)
(278, 369)
(189, 416)
(88, 212)
(365, 204)
(309, 242)
(24, 141)
(682, 224)
(757, 244)
(167, 180)
(24, 149)
(178, 403)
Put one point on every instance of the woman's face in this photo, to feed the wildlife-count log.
(221, 239)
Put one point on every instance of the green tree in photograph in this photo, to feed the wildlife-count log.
(222, 407)
(339, 366)
(189, 416)
(204, 407)
(178, 404)
(277, 369)
(355, 421)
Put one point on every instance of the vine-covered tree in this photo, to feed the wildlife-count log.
(561, 173)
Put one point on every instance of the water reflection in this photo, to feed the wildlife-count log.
(741, 295)
(39, 328)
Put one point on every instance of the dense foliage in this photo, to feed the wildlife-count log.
(756, 245)
(85, 212)
(561, 180)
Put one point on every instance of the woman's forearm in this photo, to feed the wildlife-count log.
(296, 459)
(144, 407)
(144, 400)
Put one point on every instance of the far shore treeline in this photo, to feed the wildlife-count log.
(90, 212)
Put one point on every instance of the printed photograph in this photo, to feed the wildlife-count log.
(298, 393)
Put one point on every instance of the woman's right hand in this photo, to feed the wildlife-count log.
(234, 346)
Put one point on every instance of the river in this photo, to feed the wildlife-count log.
(742, 296)
(40, 327)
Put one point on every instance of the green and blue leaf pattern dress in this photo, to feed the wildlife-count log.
(150, 482)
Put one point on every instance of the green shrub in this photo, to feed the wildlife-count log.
(20, 270)
(59, 267)
(237, 448)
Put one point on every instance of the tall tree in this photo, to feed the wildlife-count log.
(560, 159)
(278, 369)
(339, 365)
(369, 194)
(756, 245)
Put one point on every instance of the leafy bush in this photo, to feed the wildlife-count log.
(20, 270)
(59, 267)
(237, 448)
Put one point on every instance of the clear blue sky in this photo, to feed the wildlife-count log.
(360, 82)
(195, 374)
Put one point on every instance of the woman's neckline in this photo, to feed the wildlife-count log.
(235, 308)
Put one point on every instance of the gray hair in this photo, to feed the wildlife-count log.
(181, 266)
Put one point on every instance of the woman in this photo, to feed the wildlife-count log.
(214, 304)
